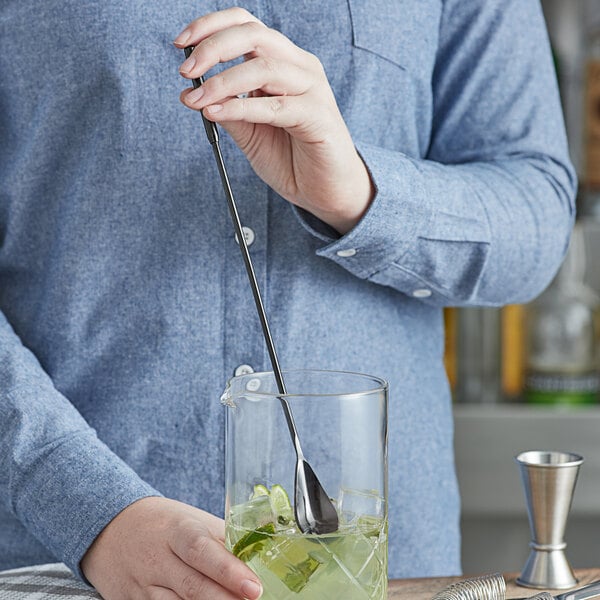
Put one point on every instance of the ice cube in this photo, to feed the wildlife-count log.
(353, 504)
(252, 514)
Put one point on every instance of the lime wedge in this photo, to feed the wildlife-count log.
(281, 505)
(259, 490)
(253, 542)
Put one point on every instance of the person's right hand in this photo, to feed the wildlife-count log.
(162, 549)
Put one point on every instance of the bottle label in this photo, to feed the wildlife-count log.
(558, 388)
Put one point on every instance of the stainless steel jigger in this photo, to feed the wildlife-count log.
(549, 479)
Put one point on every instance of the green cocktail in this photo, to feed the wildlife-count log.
(350, 563)
(342, 420)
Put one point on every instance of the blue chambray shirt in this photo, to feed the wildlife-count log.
(125, 305)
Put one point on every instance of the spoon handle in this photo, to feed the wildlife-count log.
(212, 133)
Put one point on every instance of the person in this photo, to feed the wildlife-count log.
(388, 158)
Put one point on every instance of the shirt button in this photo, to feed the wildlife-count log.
(253, 384)
(243, 370)
(346, 253)
(248, 236)
(422, 293)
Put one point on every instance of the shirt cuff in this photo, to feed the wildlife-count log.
(402, 241)
(72, 491)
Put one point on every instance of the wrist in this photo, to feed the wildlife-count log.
(354, 199)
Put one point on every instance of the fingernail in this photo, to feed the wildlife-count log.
(187, 65)
(195, 95)
(251, 589)
(183, 37)
(214, 108)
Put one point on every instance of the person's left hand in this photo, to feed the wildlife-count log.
(289, 126)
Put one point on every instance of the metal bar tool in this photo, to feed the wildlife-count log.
(548, 479)
(485, 587)
(313, 509)
(592, 590)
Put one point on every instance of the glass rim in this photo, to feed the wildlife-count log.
(382, 384)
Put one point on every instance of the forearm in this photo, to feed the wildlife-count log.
(60, 480)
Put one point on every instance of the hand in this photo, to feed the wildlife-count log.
(165, 550)
(289, 126)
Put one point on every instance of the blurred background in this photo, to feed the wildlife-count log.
(528, 377)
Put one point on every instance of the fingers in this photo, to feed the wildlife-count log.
(287, 112)
(209, 561)
(225, 35)
(188, 584)
(249, 39)
(271, 76)
(275, 70)
(228, 34)
(211, 23)
(156, 592)
(191, 587)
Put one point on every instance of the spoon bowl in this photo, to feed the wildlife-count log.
(313, 509)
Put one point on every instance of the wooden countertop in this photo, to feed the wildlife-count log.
(425, 589)
(54, 580)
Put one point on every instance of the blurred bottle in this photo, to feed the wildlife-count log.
(479, 355)
(513, 351)
(561, 336)
(591, 137)
(589, 200)
(450, 323)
